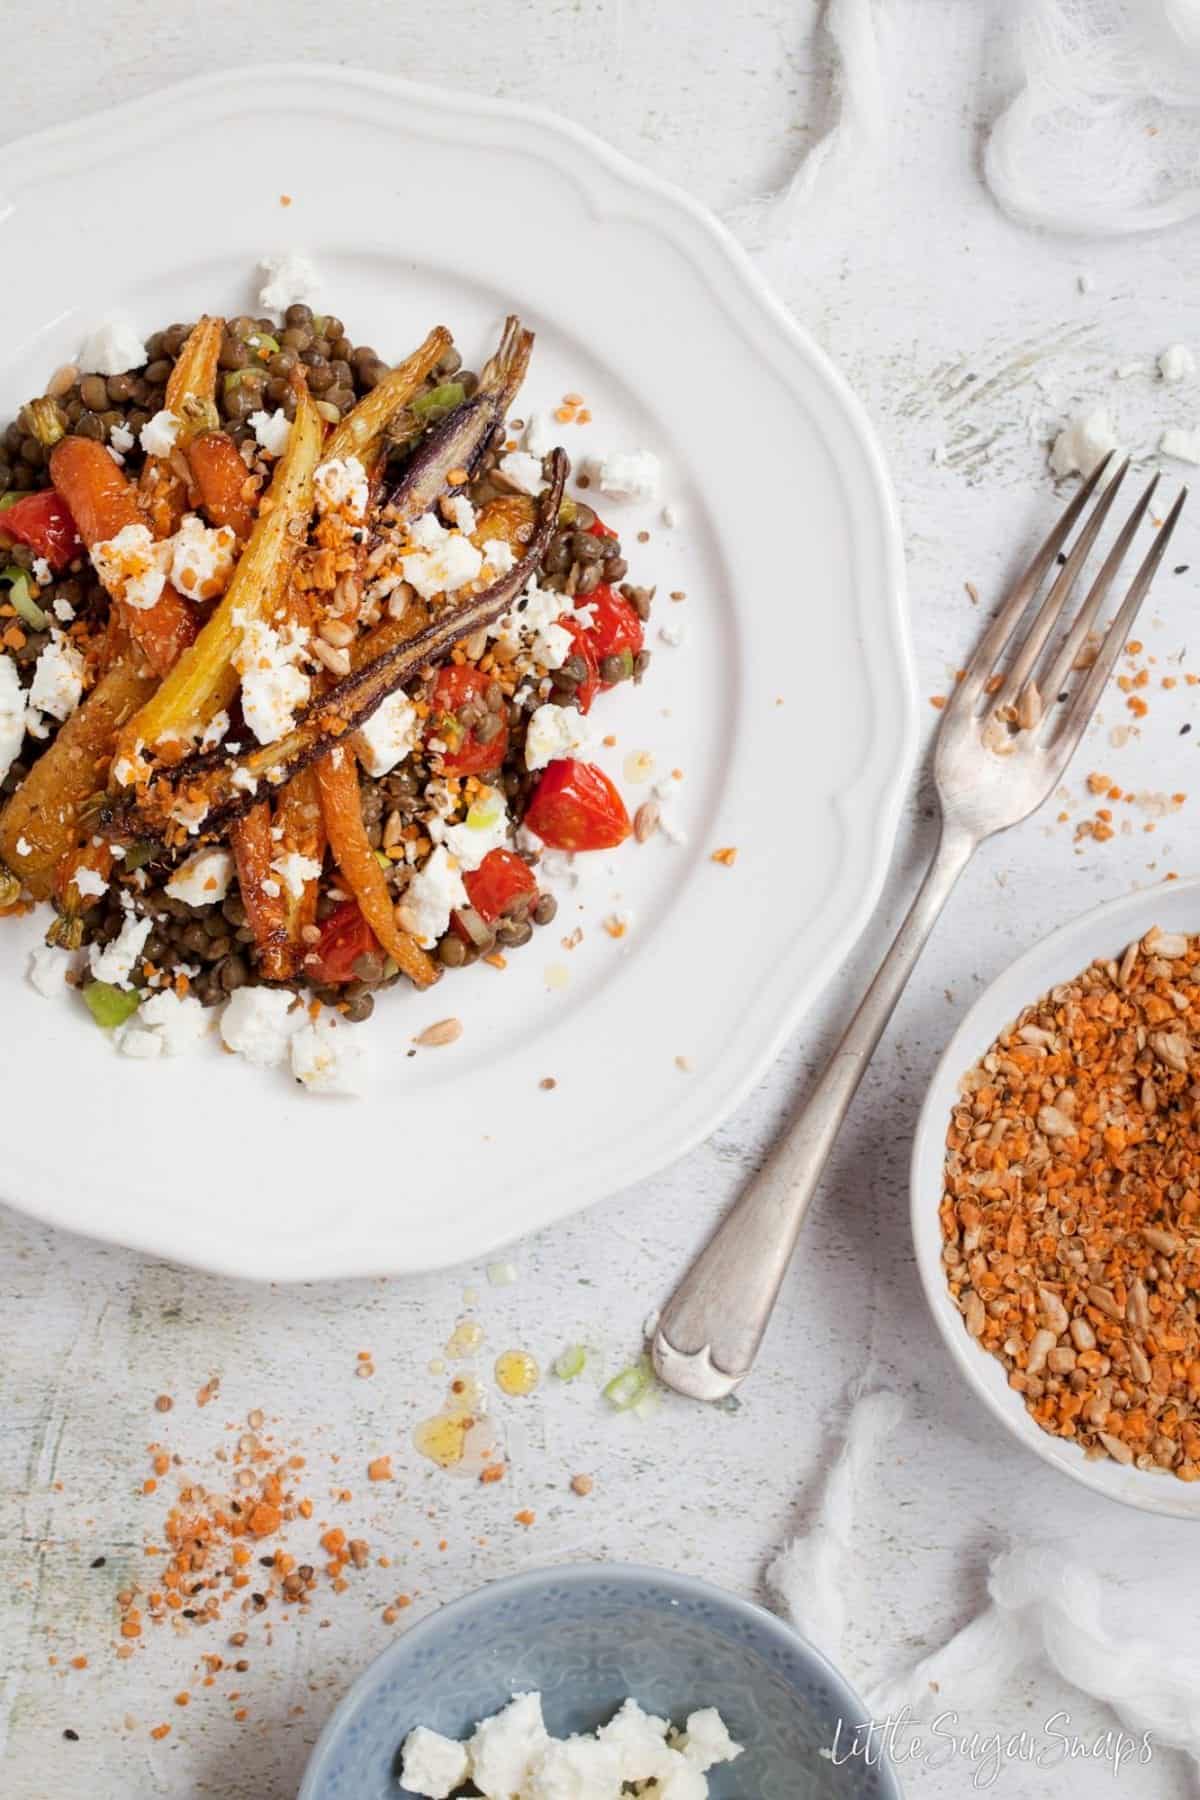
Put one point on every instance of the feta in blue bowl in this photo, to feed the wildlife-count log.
(752, 1711)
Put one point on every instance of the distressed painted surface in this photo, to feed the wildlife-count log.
(963, 335)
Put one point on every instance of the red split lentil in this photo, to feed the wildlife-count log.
(1071, 1206)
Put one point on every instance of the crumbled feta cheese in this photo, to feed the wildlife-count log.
(115, 962)
(259, 1023)
(442, 562)
(433, 1765)
(57, 678)
(553, 732)
(485, 828)
(203, 879)
(43, 574)
(541, 435)
(673, 632)
(121, 439)
(533, 625)
(243, 779)
(132, 566)
(498, 555)
(167, 1024)
(341, 486)
(294, 870)
(625, 474)
(640, 1742)
(502, 1747)
(327, 1061)
(706, 1740)
(110, 349)
(576, 1768)
(158, 434)
(191, 814)
(291, 279)
(202, 558)
(528, 840)
(671, 830)
(683, 1783)
(271, 430)
(273, 687)
(462, 513)
(1083, 443)
(672, 514)
(48, 970)
(524, 471)
(12, 714)
(24, 847)
(1176, 363)
(271, 887)
(89, 883)
(434, 892)
(215, 730)
(389, 735)
(1183, 445)
(62, 609)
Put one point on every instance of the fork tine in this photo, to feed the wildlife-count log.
(1086, 616)
(1062, 588)
(1000, 630)
(1083, 704)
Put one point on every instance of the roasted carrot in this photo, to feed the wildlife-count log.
(191, 397)
(205, 680)
(227, 489)
(361, 431)
(341, 805)
(253, 850)
(40, 824)
(103, 501)
(298, 813)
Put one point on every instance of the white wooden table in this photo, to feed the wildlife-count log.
(956, 328)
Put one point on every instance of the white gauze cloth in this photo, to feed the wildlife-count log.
(809, 1576)
(1043, 1605)
(1104, 135)
(860, 115)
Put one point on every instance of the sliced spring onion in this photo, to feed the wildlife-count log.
(571, 1363)
(261, 341)
(235, 378)
(110, 1006)
(434, 403)
(10, 499)
(22, 600)
(383, 859)
(630, 1386)
(138, 854)
(567, 511)
(44, 421)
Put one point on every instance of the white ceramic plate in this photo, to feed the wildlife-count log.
(1105, 931)
(790, 709)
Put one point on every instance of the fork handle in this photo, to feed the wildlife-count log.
(710, 1330)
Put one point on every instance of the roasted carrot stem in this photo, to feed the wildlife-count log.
(341, 805)
(103, 501)
(226, 485)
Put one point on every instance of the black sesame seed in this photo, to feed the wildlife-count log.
(1183, 730)
(72, 1737)
(99, 1562)
(1181, 568)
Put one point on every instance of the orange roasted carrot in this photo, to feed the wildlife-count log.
(253, 851)
(341, 805)
(227, 488)
(191, 397)
(298, 814)
(103, 501)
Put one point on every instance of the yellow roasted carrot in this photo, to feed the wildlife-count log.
(361, 431)
(204, 680)
(341, 804)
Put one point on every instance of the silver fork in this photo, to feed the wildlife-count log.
(1000, 751)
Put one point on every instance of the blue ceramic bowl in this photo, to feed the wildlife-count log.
(587, 1637)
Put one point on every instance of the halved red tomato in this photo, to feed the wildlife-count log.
(576, 807)
(599, 529)
(465, 754)
(43, 521)
(615, 630)
(345, 936)
(500, 880)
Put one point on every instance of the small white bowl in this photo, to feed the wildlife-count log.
(1105, 931)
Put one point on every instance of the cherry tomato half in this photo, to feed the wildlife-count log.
(599, 529)
(576, 807)
(345, 936)
(43, 521)
(615, 630)
(456, 685)
(500, 880)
